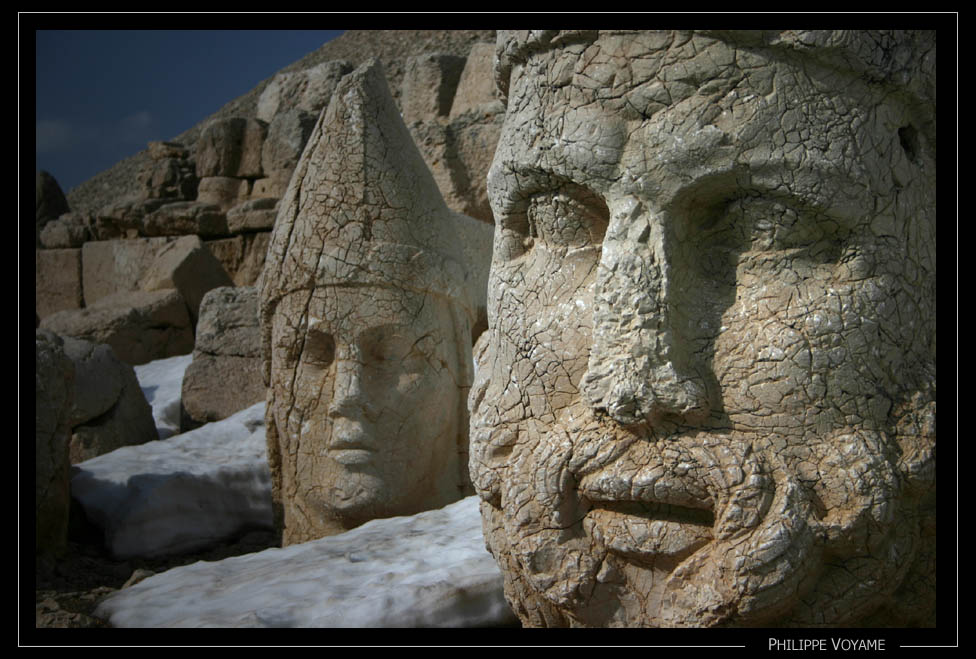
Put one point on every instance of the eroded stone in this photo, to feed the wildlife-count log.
(706, 396)
(366, 323)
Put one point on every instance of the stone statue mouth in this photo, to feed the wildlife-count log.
(670, 520)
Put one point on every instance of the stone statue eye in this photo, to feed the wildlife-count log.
(572, 217)
(564, 216)
(756, 224)
(319, 348)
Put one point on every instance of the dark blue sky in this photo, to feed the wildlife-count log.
(101, 95)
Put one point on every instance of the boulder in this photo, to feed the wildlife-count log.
(459, 154)
(69, 230)
(308, 90)
(269, 187)
(287, 136)
(242, 256)
(57, 280)
(183, 218)
(429, 84)
(109, 409)
(49, 201)
(253, 215)
(54, 376)
(476, 86)
(222, 191)
(123, 219)
(227, 349)
(141, 326)
(188, 266)
(231, 147)
(159, 150)
(169, 178)
(115, 266)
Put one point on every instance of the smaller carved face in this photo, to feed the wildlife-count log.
(366, 405)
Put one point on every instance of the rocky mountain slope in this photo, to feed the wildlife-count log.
(391, 47)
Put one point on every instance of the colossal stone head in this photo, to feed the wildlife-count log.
(366, 324)
(706, 396)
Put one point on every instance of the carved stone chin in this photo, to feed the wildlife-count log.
(706, 396)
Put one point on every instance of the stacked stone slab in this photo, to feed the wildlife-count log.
(455, 117)
(141, 295)
(54, 374)
(108, 409)
(225, 375)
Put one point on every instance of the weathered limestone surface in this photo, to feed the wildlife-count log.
(476, 86)
(69, 230)
(170, 173)
(307, 90)
(49, 201)
(224, 192)
(57, 280)
(253, 215)
(116, 266)
(287, 136)
(183, 218)
(225, 375)
(366, 326)
(54, 387)
(242, 256)
(231, 147)
(429, 85)
(455, 118)
(188, 266)
(109, 409)
(707, 392)
(141, 326)
(123, 219)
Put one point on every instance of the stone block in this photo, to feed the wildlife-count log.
(57, 280)
(476, 86)
(222, 191)
(287, 136)
(53, 390)
(69, 230)
(115, 266)
(109, 409)
(254, 215)
(308, 90)
(184, 218)
(141, 326)
(188, 266)
(231, 147)
(242, 256)
(429, 84)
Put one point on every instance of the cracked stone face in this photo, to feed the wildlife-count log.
(366, 327)
(367, 398)
(707, 392)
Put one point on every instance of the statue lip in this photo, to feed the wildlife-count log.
(648, 513)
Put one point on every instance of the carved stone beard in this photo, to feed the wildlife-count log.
(611, 526)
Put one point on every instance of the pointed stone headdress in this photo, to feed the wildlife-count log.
(362, 207)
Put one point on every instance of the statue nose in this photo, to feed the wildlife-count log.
(638, 369)
(348, 396)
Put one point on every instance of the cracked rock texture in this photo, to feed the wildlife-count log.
(706, 395)
(366, 318)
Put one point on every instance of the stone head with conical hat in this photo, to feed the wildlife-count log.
(366, 317)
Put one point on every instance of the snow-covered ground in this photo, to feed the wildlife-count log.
(192, 489)
(426, 570)
(183, 493)
(162, 383)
